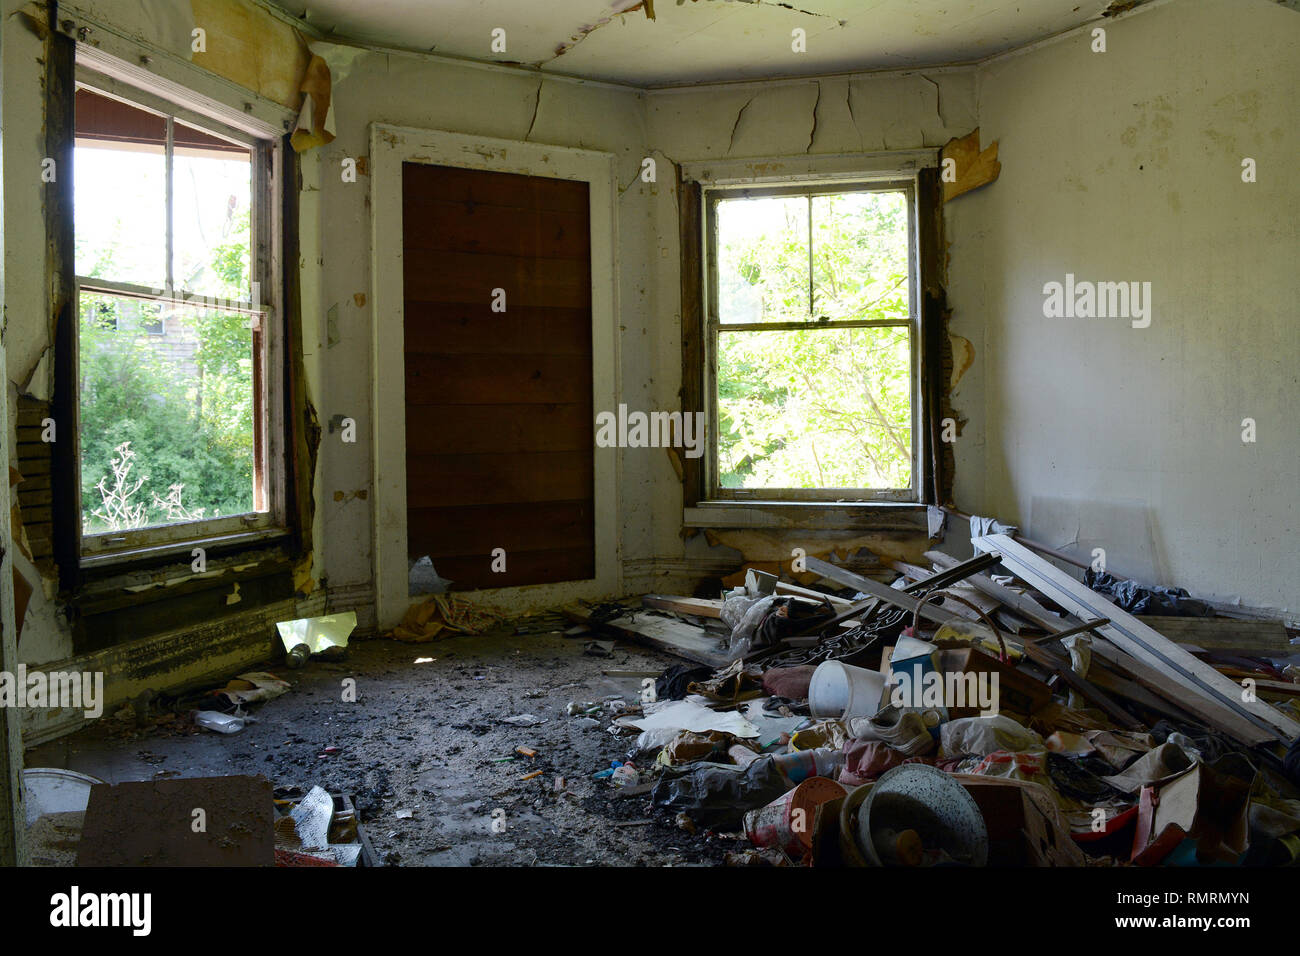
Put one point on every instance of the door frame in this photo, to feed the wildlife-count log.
(390, 147)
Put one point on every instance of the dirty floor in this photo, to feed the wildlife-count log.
(421, 752)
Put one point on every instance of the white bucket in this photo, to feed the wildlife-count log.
(842, 691)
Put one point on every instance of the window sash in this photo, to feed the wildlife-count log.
(714, 326)
(268, 496)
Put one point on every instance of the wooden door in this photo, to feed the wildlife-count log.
(499, 447)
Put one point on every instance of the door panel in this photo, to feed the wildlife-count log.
(499, 449)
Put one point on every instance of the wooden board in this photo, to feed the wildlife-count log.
(1223, 634)
(1022, 604)
(1148, 680)
(1218, 695)
(664, 634)
(931, 612)
(499, 423)
(697, 607)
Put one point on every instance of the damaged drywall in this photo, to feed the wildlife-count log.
(964, 166)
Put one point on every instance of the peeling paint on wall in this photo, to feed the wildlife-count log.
(963, 357)
(965, 166)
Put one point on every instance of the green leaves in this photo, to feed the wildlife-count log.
(189, 421)
(827, 407)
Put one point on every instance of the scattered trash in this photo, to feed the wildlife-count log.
(441, 615)
(219, 722)
(326, 637)
(523, 720)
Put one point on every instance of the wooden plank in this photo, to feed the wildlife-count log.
(1152, 687)
(473, 571)
(31, 416)
(445, 226)
(435, 481)
(1136, 639)
(931, 612)
(1221, 633)
(491, 429)
(696, 607)
(1121, 686)
(664, 634)
(458, 328)
(499, 420)
(423, 183)
(783, 587)
(35, 499)
(1059, 665)
(1022, 604)
(446, 532)
(461, 277)
(35, 466)
(497, 379)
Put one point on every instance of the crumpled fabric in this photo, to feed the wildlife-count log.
(789, 682)
(1141, 599)
(674, 683)
(1120, 748)
(440, 616)
(689, 746)
(866, 760)
(1166, 761)
(982, 736)
(731, 685)
(1015, 766)
(979, 527)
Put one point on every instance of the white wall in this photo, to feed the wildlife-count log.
(1138, 429)
(1126, 165)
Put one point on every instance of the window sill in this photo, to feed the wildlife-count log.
(172, 549)
(905, 516)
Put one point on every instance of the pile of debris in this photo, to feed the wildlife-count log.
(963, 717)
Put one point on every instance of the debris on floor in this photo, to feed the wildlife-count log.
(961, 718)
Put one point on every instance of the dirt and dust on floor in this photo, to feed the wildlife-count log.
(991, 711)
(455, 752)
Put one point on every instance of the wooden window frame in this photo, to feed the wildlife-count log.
(714, 327)
(932, 475)
(78, 552)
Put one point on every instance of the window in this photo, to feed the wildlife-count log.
(812, 342)
(172, 217)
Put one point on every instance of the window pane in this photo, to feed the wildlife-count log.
(763, 259)
(120, 192)
(822, 408)
(167, 405)
(860, 260)
(211, 187)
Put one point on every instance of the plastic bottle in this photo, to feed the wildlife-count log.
(298, 656)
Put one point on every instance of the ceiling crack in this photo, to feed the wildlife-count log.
(647, 6)
(785, 6)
